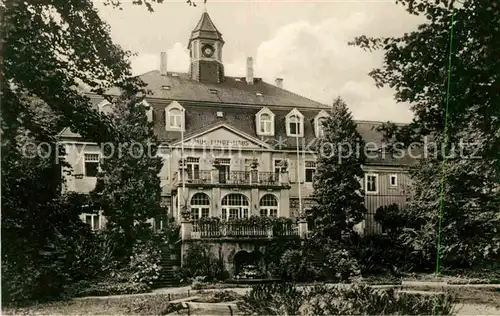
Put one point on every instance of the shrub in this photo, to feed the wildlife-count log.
(297, 265)
(271, 299)
(200, 262)
(341, 264)
(145, 262)
(364, 300)
(286, 299)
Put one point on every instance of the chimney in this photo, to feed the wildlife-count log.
(163, 63)
(279, 83)
(249, 70)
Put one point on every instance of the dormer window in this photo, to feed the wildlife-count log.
(174, 114)
(149, 110)
(175, 118)
(265, 122)
(295, 124)
(319, 121)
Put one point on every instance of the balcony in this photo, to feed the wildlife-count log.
(228, 230)
(233, 178)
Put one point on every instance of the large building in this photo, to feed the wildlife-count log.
(225, 140)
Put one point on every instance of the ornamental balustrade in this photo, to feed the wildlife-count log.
(228, 229)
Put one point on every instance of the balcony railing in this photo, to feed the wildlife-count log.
(232, 178)
(242, 230)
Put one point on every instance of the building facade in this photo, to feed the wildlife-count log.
(234, 147)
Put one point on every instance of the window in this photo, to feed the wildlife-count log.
(193, 168)
(224, 169)
(94, 220)
(294, 126)
(394, 180)
(277, 166)
(310, 170)
(320, 128)
(174, 115)
(235, 205)
(371, 181)
(200, 206)
(175, 118)
(149, 110)
(91, 165)
(295, 123)
(268, 206)
(265, 122)
(319, 120)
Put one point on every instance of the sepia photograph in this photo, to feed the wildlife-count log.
(250, 157)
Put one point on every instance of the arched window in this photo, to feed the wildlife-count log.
(235, 205)
(321, 128)
(174, 115)
(269, 206)
(295, 123)
(265, 123)
(200, 206)
(175, 118)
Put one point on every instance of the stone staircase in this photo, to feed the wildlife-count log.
(170, 263)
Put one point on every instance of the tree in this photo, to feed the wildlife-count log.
(453, 90)
(128, 188)
(48, 51)
(337, 187)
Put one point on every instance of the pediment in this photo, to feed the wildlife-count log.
(224, 137)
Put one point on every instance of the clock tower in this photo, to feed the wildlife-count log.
(205, 47)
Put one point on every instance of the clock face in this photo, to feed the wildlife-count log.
(208, 50)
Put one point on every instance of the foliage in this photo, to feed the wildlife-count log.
(337, 189)
(43, 260)
(340, 262)
(271, 299)
(287, 299)
(274, 250)
(466, 123)
(128, 188)
(145, 262)
(222, 296)
(298, 265)
(364, 300)
(199, 261)
(382, 254)
(40, 81)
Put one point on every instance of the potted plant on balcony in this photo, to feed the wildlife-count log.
(284, 165)
(185, 212)
(254, 164)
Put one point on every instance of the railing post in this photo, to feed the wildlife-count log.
(186, 229)
(284, 178)
(254, 177)
(214, 176)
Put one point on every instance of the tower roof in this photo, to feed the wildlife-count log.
(206, 29)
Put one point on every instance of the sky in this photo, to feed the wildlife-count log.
(303, 42)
